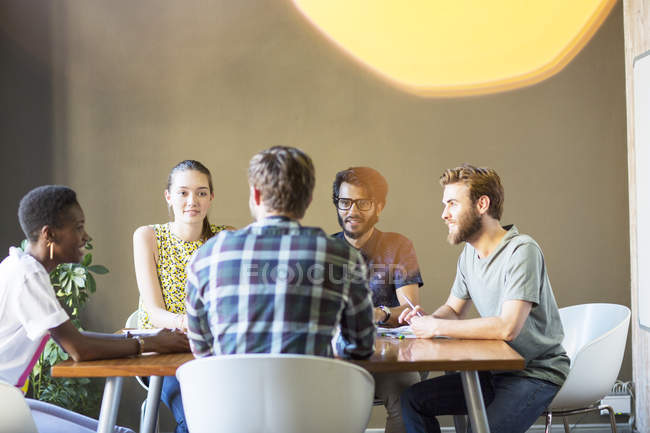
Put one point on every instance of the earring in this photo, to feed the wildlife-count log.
(51, 250)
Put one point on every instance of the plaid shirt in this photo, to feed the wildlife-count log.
(277, 287)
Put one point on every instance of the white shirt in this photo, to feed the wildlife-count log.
(28, 309)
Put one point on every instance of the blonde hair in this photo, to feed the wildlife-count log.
(481, 181)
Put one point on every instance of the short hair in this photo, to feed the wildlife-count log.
(367, 178)
(44, 205)
(285, 176)
(481, 181)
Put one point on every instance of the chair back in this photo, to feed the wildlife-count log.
(279, 393)
(132, 321)
(15, 415)
(594, 338)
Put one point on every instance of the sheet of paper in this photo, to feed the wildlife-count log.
(400, 332)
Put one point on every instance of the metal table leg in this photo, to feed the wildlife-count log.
(110, 405)
(153, 402)
(474, 401)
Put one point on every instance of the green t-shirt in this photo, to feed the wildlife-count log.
(515, 270)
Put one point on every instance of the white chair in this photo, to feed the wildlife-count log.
(132, 322)
(594, 338)
(14, 412)
(264, 393)
(21, 415)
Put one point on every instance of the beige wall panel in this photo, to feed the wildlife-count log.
(637, 41)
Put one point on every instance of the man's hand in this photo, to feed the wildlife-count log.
(378, 315)
(426, 326)
(408, 314)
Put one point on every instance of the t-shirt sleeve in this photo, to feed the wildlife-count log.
(407, 269)
(524, 275)
(459, 288)
(37, 307)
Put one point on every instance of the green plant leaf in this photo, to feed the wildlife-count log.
(91, 284)
(52, 357)
(98, 269)
(87, 259)
(79, 281)
(23, 244)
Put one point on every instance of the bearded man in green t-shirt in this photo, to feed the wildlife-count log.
(503, 273)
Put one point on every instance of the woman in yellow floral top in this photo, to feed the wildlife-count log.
(161, 252)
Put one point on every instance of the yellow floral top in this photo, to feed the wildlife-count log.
(173, 255)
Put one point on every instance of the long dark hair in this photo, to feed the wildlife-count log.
(191, 164)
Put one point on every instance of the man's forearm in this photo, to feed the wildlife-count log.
(446, 312)
(482, 328)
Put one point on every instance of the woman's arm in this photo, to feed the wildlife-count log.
(84, 348)
(146, 274)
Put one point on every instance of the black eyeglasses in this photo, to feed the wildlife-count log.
(363, 204)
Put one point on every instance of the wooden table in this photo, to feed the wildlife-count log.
(391, 355)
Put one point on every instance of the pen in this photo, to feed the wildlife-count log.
(410, 304)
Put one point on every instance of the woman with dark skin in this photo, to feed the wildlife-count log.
(54, 225)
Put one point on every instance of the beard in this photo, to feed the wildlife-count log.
(366, 225)
(467, 226)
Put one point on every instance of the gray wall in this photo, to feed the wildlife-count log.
(113, 94)
(26, 126)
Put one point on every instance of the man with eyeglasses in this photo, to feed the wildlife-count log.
(359, 194)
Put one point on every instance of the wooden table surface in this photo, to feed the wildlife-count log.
(441, 354)
(390, 355)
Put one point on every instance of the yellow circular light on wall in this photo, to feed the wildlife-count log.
(459, 47)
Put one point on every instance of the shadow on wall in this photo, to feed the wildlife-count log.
(26, 123)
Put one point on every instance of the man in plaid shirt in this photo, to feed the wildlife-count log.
(275, 286)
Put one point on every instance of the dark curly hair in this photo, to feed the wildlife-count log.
(44, 205)
(368, 178)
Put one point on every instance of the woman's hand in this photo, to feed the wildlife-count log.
(167, 341)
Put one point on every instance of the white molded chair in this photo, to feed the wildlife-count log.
(21, 415)
(14, 412)
(594, 338)
(284, 393)
(132, 322)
